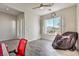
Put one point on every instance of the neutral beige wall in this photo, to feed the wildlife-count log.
(20, 26)
(78, 25)
(32, 25)
(69, 19)
(7, 26)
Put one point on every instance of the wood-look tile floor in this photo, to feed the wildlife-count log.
(44, 48)
(41, 47)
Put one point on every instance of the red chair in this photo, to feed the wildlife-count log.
(1, 52)
(21, 48)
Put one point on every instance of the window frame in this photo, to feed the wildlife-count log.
(44, 28)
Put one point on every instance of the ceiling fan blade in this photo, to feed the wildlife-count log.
(49, 5)
(36, 7)
(44, 5)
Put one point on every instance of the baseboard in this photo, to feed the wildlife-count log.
(77, 49)
(33, 40)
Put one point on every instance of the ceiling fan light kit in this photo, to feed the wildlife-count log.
(43, 5)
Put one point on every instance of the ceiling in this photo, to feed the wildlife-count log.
(23, 6)
(9, 10)
(55, 7)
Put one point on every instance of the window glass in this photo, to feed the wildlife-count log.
(53, 25)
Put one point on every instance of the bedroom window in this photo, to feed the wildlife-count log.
(53, 26)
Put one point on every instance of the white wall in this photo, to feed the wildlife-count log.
(77, 11)
(32, 25)
(7, 26)
(20, 26)
(69, 19)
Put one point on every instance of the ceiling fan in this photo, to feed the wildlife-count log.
(42, 5)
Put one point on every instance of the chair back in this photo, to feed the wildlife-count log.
(1, 53)
(22, 46)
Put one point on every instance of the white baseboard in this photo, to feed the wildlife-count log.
(33, 39)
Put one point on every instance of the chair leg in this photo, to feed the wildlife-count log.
(13, 51)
